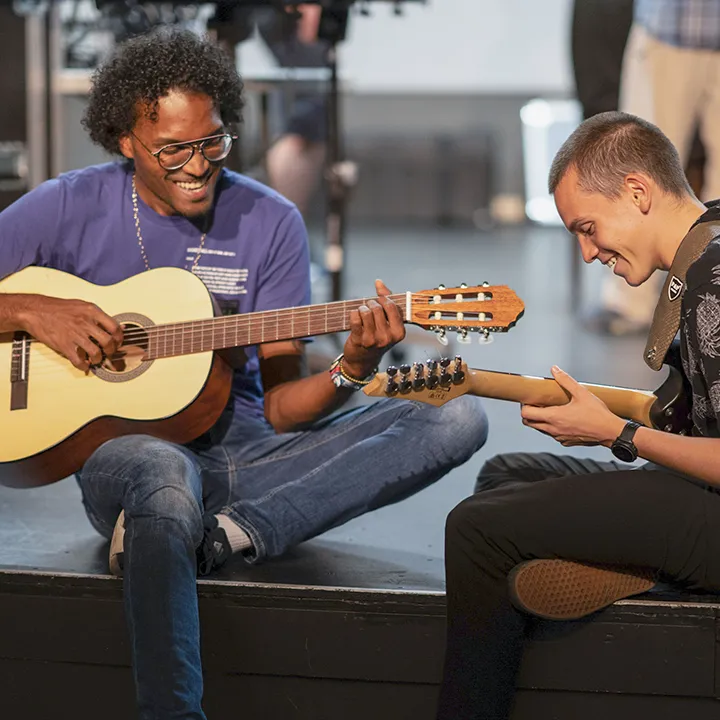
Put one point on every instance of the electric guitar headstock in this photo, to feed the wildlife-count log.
(481, 308)
(433, 382)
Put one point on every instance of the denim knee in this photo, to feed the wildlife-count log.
(155, 478)
(461, 426)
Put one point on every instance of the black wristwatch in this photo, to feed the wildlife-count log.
(623, 448)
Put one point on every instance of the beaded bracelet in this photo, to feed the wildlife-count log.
(341, 378)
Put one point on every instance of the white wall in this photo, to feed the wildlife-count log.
(462, 46)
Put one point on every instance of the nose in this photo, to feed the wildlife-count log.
(197, 165)
(588, 250)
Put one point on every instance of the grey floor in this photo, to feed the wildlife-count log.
(399, 547)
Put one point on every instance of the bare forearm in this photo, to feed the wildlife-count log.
(297, 404)
(14, 311)
(696, 456)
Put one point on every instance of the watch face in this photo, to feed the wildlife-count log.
(624, 453)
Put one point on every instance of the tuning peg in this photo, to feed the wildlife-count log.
(458, 375)
(442, 336)
(404, 369)
(432, 378)
(463, 338)
(418, 382)
(391, 388)
(485, 338)
(444, 362)
(463, 285)
(405, 386)
(486, 283)
(440, 287)
(391, 371)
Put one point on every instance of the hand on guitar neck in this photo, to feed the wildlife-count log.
(374, 328)
(78, 330)
(584, 420)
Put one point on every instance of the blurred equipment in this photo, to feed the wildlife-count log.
(14, 127)
(80, 33)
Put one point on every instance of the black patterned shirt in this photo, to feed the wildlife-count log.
(700, 340)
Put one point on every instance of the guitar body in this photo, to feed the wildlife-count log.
(51, 423)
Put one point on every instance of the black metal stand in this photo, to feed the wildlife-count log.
(338, 175)
(336, 185)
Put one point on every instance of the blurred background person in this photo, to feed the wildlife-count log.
(294, 162)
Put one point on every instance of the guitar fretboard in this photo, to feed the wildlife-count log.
(253, 328)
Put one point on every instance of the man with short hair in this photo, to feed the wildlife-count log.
(276, 469)
(669, 77)
(558, 536)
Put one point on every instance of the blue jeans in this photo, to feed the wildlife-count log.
(281, 489)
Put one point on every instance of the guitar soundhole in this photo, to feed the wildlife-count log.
(130, 354)
(129, 360)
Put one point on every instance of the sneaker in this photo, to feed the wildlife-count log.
(117, 546)
(565, 590)
(214, 550)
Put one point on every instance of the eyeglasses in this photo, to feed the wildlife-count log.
(176, 155)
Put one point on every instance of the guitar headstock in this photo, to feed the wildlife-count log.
(434, 382)
(480, 308)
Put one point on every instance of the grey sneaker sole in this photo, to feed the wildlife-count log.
(565, 590)
(117, 546)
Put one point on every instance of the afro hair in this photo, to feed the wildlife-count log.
(146, 68)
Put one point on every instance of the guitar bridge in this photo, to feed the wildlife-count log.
(19, 371)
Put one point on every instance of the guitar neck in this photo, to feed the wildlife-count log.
(627, 403)
(255, 328)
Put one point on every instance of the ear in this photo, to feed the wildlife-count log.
(126, 147)
(639, 189)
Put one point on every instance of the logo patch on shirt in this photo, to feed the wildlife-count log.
(675, 288)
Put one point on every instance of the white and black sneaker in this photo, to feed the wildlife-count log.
(215, 549)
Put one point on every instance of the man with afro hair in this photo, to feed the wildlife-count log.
(277, 468)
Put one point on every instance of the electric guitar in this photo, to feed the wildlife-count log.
(439, 382)
(167, 380)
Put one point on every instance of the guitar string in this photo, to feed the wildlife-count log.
(17, 354)
(245, 322)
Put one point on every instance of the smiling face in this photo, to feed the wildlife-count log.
(181, 117)
(619, 232)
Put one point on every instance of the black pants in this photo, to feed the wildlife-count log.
(548, 506)
(600, 30)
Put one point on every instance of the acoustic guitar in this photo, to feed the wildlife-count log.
(438, 382)
(167, 379)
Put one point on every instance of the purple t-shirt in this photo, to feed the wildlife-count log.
(255, 255)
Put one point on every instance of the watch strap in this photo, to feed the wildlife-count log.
(628, 432)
